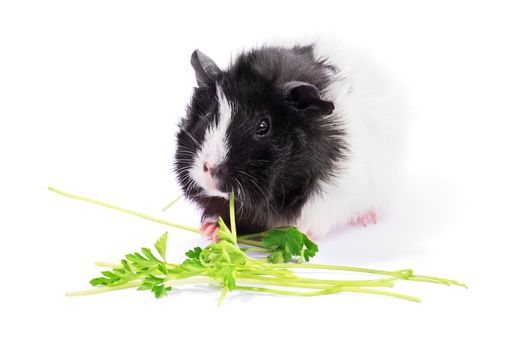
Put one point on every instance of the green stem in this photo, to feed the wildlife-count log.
(250, 242)
(117, 266)
(128, 211)
(132, 284)
(107, 264)
(149, 217)
(232, 217)
(331, 291)
(380, 282)
(381, 292)
(338, 268)
(171, 203)
(223, 295)
(312, 284)
(287, 292)
(263, 250)
(257, 234)
(262, 233)
(104, 289)
(182, 282)
(423, 278)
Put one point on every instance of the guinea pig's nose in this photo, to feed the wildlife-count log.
(218, 173)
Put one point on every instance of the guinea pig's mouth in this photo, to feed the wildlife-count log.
(212, 180)
(215, 193)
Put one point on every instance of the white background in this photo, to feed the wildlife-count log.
(90, 93)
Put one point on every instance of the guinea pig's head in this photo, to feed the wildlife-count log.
(249, 131)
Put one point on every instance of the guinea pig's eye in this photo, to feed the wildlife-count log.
(263, 127)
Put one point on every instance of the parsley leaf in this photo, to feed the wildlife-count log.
(156, 285)
(288, 243)
(160, 245)
(134, 266)
(191, 266)
(195, 253)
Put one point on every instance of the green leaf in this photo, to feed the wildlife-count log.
(160, 245)
(191, 266)
(110, 275)
(162, 268)
(195, 253)
(99, 281)
(133, 267)
(286, 244)
(156, 285)
(147, 252)
(310, 249)
(142, 263)
(125, 264)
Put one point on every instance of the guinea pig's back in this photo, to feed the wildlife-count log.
(371, 109)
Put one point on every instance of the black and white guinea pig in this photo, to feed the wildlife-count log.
(302, 135)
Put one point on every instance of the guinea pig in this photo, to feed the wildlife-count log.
(301, 136)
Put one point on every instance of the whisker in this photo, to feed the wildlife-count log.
(191, 137)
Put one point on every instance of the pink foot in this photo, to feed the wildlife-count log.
(369, 217)
(209, 230)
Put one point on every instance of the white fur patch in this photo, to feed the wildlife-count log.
(370, 111)
(215, 146)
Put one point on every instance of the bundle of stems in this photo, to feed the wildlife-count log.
(226, 264)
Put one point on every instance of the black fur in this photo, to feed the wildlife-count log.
(272, 176)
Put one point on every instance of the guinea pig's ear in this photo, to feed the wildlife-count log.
(306, 97)
(206, 71)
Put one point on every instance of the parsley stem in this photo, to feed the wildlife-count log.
(223, 295)
(380, 282)
(381, 292)
(118, 266)
(340, 268)
(104, 289)
(250, 242)
(181, 282)
(288, 292)
(152, 218)
(233, 228)
(128, 211)
(252, 235)
(171, 203)
(262, 233)
(263, 250)
(438, 280)
(132, 284)
(314, 284)
(107, 264)
(331, 291)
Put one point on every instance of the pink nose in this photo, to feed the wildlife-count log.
(206, 167)
(215, 175)
(210, 182)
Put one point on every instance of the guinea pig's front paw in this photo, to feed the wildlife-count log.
(369, 217)
(209, 229)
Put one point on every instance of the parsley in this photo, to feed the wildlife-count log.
(160, 245)
(285, 244)
(136, 265)
(226, 265)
